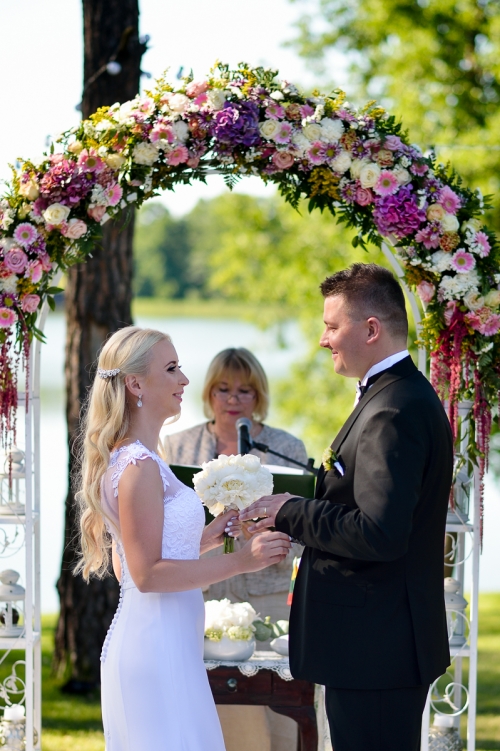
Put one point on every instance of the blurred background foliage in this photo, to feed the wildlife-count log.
(435, 64)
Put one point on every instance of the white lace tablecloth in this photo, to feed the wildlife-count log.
(274, 661)
(258, 661)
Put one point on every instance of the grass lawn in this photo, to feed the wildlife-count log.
(157, 307)
(71, 724)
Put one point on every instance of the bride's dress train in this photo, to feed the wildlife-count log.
(155, 690)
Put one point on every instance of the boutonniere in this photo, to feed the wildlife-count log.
(331, 461)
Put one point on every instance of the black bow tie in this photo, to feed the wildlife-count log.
(363, 389)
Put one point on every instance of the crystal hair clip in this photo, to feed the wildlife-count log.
(107, 373)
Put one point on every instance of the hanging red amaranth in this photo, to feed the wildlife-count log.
(8, 393)
(481, 412)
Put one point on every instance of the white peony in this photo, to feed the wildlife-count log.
(402, 175)
(232, 482)
(114, 161)
(369, 174)
(301, 142)
(269, 129)
(145, 153)
(312, 131)
(342, 162)
(56, 214)
(216, 98)
(181, 130)
(450, 223)
(233, 619)
(178, 102)
(331, 130)
(124, 113)
(356, 167)
(9, 283)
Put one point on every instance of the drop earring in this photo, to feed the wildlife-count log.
(139, 401)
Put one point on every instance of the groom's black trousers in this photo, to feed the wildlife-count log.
(385, 720)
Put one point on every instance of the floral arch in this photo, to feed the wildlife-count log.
(357, 164)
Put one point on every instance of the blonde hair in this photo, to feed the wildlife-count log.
(106, 422)
(229, 363)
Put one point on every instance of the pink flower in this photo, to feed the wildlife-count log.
(44, 259)
(7, 317)
(113, 194)
(30, 303)
(15, 260)
(275, 111)
(162, 131)
(387, 184)
(74, 229)
(25, 234)
(484, 321)
(178, 155)
(283, 134)
(90, 162)
(201, 99)
(96, 212)
(195, 88)
(393, 143)
(429, 236)
(306, 110)
(462, 262)
(315, 153)
(34, 271)
(449, 200)
(449, 311)
(283, 159)
(426, 291)
(193, 162)
(481, 244)
(364, 196)
(419, 168)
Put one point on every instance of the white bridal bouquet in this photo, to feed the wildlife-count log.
(232, 482)
(234, 620)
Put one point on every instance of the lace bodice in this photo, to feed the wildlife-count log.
(183, 519)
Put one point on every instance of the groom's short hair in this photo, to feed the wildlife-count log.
(370, 290)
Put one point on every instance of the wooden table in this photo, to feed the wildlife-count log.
(293, 698)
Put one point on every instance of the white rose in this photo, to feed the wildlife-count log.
(277, 96)
(29, 190)
(492, 299)
(181, 130)
(356, 167)
(312, 131)
(331, 130)
(300, 142)
(216, 98)
(178, 102)
(402, 175)
(145, 153)
(75, 147)
(369, 174)
(342, 162)
(124, 114)
(56, 214)
(114, 161)
(269, 129)
(449, 223)
(473, 300)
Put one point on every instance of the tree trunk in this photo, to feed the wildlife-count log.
(98, 302)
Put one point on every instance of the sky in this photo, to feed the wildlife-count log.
(42, 79)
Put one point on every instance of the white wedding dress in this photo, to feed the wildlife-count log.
(155, 690)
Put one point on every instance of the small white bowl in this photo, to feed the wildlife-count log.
(238, 650)
(280, 645)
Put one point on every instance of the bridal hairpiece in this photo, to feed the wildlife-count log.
(107, 373)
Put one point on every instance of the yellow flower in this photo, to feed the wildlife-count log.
(324, 182)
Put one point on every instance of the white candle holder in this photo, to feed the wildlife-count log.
(12, 597)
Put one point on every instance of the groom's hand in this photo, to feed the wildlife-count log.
(266, 509)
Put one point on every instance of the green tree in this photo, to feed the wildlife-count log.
(162, 251)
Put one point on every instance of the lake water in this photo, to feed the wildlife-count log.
(196, 340)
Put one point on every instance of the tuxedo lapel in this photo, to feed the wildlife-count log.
(402, 369)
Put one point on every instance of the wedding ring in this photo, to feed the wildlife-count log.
(265, 511)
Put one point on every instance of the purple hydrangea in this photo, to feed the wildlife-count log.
(237, 123)
(398, 214)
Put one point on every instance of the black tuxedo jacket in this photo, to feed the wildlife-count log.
(368, 605)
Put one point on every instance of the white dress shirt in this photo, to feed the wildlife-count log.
(379, 367)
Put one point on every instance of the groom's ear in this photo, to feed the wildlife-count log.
(374, 327)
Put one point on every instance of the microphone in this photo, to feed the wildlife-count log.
(243, 426)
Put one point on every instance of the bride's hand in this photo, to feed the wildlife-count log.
(228, 523)
(264, 549)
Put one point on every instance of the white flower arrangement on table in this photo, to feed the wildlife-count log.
(232, 482)
(234, 620)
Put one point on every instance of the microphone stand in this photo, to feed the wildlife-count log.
(262, 447)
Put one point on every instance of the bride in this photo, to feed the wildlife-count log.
(155, 691)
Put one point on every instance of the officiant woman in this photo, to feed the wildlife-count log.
(237, 386)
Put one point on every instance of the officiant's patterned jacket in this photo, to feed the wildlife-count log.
(368, 609)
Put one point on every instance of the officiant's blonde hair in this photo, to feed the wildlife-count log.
(105, 423)
(237, 361)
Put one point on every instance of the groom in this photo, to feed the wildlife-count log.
(368, 618)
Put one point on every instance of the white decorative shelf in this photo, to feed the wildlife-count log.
(18, 642)
(18, 518)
